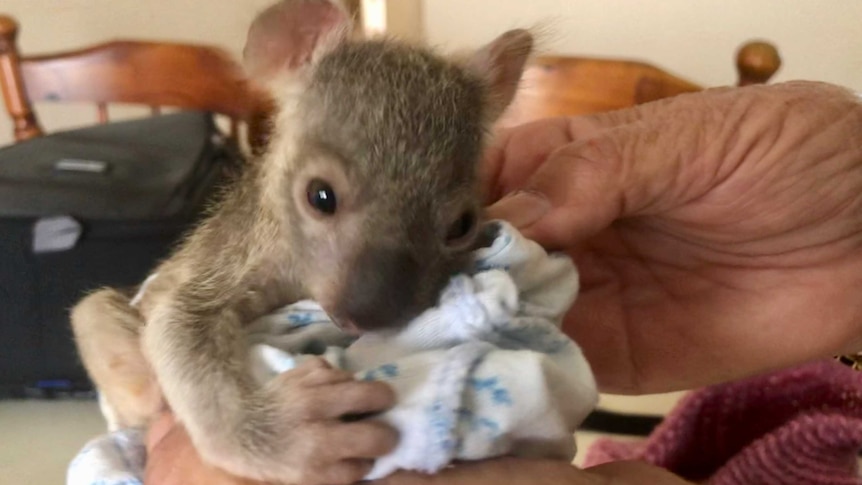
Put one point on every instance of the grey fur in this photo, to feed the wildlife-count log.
(398, 131)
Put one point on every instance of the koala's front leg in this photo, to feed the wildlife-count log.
(288, 431)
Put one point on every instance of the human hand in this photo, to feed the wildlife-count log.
(514, 471)
(173, 460)
(718, 234)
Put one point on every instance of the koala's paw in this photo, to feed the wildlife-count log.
(301, 433)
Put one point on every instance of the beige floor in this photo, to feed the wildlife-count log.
(39, 438)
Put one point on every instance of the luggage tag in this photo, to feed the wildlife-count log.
(55, 234)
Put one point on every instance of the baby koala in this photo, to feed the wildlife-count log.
(366, 200)
(486, 372)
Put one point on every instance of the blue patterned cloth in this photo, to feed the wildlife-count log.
(117, 458)
(485, 373)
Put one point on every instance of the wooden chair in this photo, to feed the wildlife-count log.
(160, 75)
(566, 86)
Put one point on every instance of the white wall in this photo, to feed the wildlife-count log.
(52, 25)
(696, 39)
(817, 39)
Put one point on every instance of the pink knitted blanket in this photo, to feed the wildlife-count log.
(797, 426)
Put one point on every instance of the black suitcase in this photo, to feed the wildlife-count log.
(87, 208)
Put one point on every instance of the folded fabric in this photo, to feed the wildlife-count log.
(487, 372)
(116, 458)
(802, 425)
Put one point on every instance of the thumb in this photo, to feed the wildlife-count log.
(580, 189)
(656, 159)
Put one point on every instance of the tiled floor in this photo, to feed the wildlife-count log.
(39, 438)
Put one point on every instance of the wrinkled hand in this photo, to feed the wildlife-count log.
(173, 460)
(718, 234)
(512, 471)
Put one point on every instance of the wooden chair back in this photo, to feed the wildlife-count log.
(568, 86)
(159, 75)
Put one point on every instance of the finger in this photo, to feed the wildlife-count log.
(311, 364)
(518, 152)
(577, 192)
(323, 377)
(311, 372)
(345, 472)
(355, 397)
(369, 439)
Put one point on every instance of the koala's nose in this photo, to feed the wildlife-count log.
(382, 290)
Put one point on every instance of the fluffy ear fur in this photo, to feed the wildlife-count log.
(291, 34)
(501, 64)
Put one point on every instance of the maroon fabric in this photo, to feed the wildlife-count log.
(802, 425)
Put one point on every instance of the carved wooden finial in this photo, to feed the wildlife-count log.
(12, 83)
(757, 62)
(8, 32)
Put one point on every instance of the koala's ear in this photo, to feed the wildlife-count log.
(290, 34)
(501, 64)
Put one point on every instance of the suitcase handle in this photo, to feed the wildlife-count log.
(82, 166)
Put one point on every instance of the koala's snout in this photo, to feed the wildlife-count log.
(385, 288)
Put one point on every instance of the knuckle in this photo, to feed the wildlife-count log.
(325, 375)
(285, 382)
(305, 406)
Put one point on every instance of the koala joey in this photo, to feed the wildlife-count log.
(366, 200)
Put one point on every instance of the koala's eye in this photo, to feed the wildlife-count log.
(460, 228)
(321, 197)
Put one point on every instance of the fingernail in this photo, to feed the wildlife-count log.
(521, 209)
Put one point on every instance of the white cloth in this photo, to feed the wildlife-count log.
(116, 458)
(487, 372)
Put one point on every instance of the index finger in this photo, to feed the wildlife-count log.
(354, 398)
